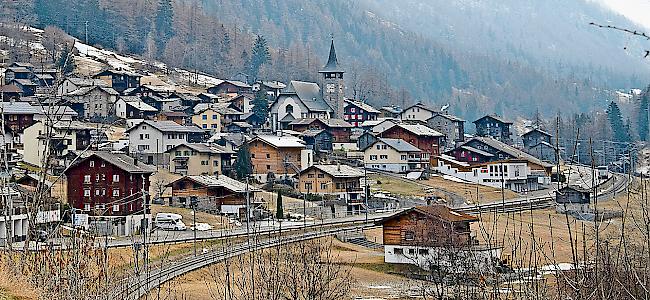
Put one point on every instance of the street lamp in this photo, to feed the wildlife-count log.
(193, 202)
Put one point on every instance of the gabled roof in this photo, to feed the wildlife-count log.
(273, 84)
(286, 141)
(203, 148)
(417, 129)
(159, 88)
(219, 181)
(494, 117)
(174, 114)
(10, 88)
(117, 72)
(512, 151)
(22, 64)
(236, 83)
(543, 143)
(58, 110)
(332, 65)
(422, 106)
(309, 93)
(137, 103)
(472, 149)
(87, 89)
(437, 211)
(313, 132)
(19, 70)
(398, 144)
(121, 161)
(575, 188)
(287, 118)
(392, 109)
(448, 117)
(332, 123)
(241, 124)
(337, 171)
(18, 108)
(24, 82)
(542, 132)
(168, 126)
(366, 107)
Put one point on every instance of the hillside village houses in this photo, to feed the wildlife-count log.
(149, 140)
(200, 159)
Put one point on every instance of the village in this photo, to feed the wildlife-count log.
(130, 159)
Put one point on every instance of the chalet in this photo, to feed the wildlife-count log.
(417, 112)
(186, 100)
(150, 139)
(394, 155)
(27, 86)
(255, 120)
(208, 119)
(495, 127)
(177, 117)
(56, 112)
(318, 139)
(17, 117)
(230, 87)
(242, 103)
(282, 156)
(341, 181)
(451, 126)
(391, 111)
(340, 129)
(357, 112)
(535, 136)
(209, 98)
(16, 72)
(72, 84)
(98, 101)
(271, 89)
(544, 151)
(44, 79)
(119, 80)
(433, 237)
(216, 193)
(420, 136)
(132, 107)
(199, 159)
(298, 101)
(10, 92)
(111, 188)
(365, 140)
(512, 174)
(223, 109)
(60, 137)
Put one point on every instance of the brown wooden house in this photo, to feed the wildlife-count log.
(340, 129)
(214, 193)
(230, 87)
(420, 136)
(340, 181)
(279, 155)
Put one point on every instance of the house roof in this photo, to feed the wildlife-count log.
(159, 88)
(494, 117)
(209, 96)
(332, 65)
(309, 94)
(422, 106)
(392, 109)
(168, 126)
(337, 171)
(35, 177)
(448, 117)
(24, 82)
(137, 103)
(220, 181)
(58, 110)
(481, 152)
(417, 129)
(286, 141)
(436, 211)
(236, 83)
(452, 160)
(10, 88)
(241, 124)
(172, 114)
(288, 118)
(44, 76)
(22, 64)
(312, 132)
(366, 107)
(18, 108)
(86, 81)
(398, 144)
(543, 143)
(87, 89)
(576, 188)
(512, 151)
(203, 148)
(19, 70)
(118, 72)
(542, 132)
(122, 161)
(332, 123)
(274, 84)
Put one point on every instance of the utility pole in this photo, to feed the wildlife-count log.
(86, 26)
(248, 214)
(145, 226)
(304, 204)
(366, 188)
(193, 201)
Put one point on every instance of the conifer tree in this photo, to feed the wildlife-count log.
(260, 55)
(279, 211)
(243, 165)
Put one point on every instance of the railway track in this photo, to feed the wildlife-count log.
(138, 286)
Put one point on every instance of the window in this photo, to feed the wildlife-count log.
(321, 175)
(215, 163)
(403, 157)
(214, 126)
(146, 136)
(204, 126)
(177, 153)
(398, 251)
(92, 163)
(308, 185)
(373, 157)
(100, 206)
(116, 207)
(310, 175)
(411, 251)
(141, 136)
(289, 109)
(116, 178)
(423, 251)
(268, 155)
(352, 109)
(97, 177)
(204, 162)
(98, 192)
(409, 235)
(378, 147)
(252, 155)
(116, 193)
(103, 164)
(87, 206)
(268, 167)
(86, 178)
(86, 193)
(204, 117)
(384, 156)
(214, 117)
(323, 185)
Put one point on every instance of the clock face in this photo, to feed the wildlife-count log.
(331, 88)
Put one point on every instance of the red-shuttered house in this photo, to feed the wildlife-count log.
(108, 188)
(420, 136)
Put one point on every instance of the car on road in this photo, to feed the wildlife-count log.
(201, 227)
(169, 221)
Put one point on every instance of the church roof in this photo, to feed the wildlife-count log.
(309, 94)
(332, 65)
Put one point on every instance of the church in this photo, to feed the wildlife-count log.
(302, 100)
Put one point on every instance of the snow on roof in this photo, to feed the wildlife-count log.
(286, 141)
(338, 171)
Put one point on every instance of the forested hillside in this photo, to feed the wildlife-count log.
(386, 61)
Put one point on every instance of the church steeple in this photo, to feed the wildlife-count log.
(333, 91)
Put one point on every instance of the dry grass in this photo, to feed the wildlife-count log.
(14, 287)
(201, 217)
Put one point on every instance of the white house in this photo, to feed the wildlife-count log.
(418, 112)
(148, 140)
(393, 155)
(132, 107)
(62, 137)
(299, 101)
(72, 84)
(98, 101)
(513, 173)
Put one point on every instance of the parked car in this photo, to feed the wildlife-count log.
(169, 221)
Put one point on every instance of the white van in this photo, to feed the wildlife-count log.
(169, 221)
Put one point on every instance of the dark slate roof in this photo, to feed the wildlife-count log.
(332, 123)
(10, 88)
(496, 118)
(312, 132)
(512, 151)
(448, 117)
(309, 94)
(332, 65)
(18, 108)
(537, 130)
(169, 126)
(203, 148)
(360, 104)
(399, 145)
(438, 211)
(122, 161)
(118, 72)
(481, 152)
